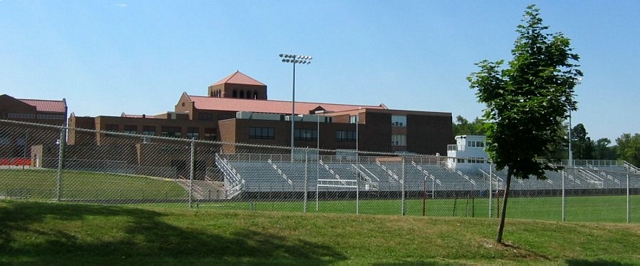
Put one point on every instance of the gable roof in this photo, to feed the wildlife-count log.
(47, 105)
(270, 106)
(53, 106)
(239, 78)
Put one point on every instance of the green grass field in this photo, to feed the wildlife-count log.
(48, 233)
(97, 187)
(43, 184)
(577, 209)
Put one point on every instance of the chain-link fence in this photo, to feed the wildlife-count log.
(37, 163)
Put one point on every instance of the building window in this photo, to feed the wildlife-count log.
(210, 134)
(131, 129)
(398, 140)
(50, 117)
(353, 119)
(193, 132)
(305, 134)
(149, 130)
(261, 133)
(399, 120)
(345, 136)
(174, 132)
(112, 127)
(21, 116)
(473, 144)
(205, 116)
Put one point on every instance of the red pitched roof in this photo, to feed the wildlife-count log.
(269, 106)
(239, 78)
(53, 106)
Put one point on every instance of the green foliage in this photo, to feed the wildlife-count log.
(581, 143)
(528, 101)
(462, 126)
(602, 150)
(629, 148)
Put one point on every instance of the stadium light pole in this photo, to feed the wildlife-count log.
(570, 141)
(570, 137)
(294, 59)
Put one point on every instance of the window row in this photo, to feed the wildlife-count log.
(21, 116)
(261, 133)
(165, 131)
(312, 135)
(471, 160)
(345, 136)
(472, 143)
(51, 117)
(306, 134)
(236, 94)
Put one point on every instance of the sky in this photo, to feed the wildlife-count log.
(108, 57)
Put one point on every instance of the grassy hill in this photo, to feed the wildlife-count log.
(55, 233)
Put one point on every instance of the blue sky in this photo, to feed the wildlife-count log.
(109, 57)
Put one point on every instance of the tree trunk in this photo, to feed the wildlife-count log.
(504, 205)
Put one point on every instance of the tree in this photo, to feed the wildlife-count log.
(527, 102)
(461, 126)
(582, 145)
(602, 151)
(629, 148)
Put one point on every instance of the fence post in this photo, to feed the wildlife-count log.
(357, 179)
(628, 199)
(61, 142)
(306, 179)
(563, 196)
(191, 171)
(403, 206)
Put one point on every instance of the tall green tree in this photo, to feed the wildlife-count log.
(527, 102)
(462, 126)
(602, 150)
(629, 148)
(582, 145)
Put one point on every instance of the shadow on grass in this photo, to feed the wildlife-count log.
(145, 237)
(526, 253)
(595, 262)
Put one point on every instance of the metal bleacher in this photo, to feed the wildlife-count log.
(371, 174)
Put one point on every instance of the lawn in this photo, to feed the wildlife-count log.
(43, 184)
(69, 234)
(577, 209)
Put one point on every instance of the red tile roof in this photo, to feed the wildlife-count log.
(53, 106)
(269, 106)
(239, 78)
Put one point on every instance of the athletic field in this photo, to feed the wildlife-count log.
(111, 188)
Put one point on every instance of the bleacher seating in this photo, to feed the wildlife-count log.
(287, 176)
